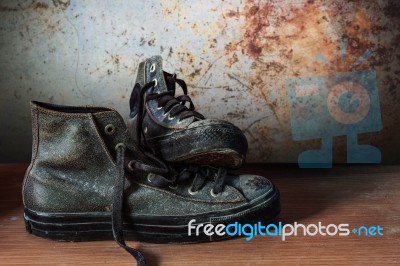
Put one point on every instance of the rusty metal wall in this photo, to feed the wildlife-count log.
(242, 59)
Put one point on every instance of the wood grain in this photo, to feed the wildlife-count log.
(357, 195)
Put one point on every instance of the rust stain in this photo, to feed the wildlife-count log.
(392, 9)
(191, 68)
(151, 42)
(286, 44)
(233, 59)
(39, 7)
(115, 59)
(297, 35)
(268, 31)
(195, 73)
(64, 4)
(232, 13)
(357, 43)
(256, 22)
(172, 8)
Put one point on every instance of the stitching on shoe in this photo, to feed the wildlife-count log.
(35, 149)
(65, 114)
(103, 144)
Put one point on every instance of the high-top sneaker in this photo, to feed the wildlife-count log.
(161, 120)
(75, 189)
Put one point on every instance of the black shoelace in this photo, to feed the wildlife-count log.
(176, 106)
(199, 174)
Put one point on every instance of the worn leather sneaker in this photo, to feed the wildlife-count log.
(176, 132)
(75, 189)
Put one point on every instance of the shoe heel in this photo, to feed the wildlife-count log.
(28, 227)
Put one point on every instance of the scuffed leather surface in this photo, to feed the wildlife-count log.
(73, 170)
(251, 186)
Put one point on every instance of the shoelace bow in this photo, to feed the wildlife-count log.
(167, 100)
(201, 175)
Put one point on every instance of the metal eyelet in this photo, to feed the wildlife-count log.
(213, 194)
(131, 165)
(120, 145)
(149, 177)
(173, 187)
(109, 129)
(145, 130)
(191, 192)
(155, 80)
(171, 117)
(152, 68)
(159, 107)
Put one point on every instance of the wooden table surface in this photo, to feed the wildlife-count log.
(356, 195)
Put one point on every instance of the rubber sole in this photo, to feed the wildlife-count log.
(155, 229)
(216, 145)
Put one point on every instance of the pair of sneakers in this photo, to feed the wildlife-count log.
(165, 180)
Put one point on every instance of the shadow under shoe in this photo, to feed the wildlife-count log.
(161, 121)
(88, 181)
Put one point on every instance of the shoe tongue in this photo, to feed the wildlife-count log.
(170, 85)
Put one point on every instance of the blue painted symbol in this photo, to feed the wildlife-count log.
(322, 107)
(346, 104)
